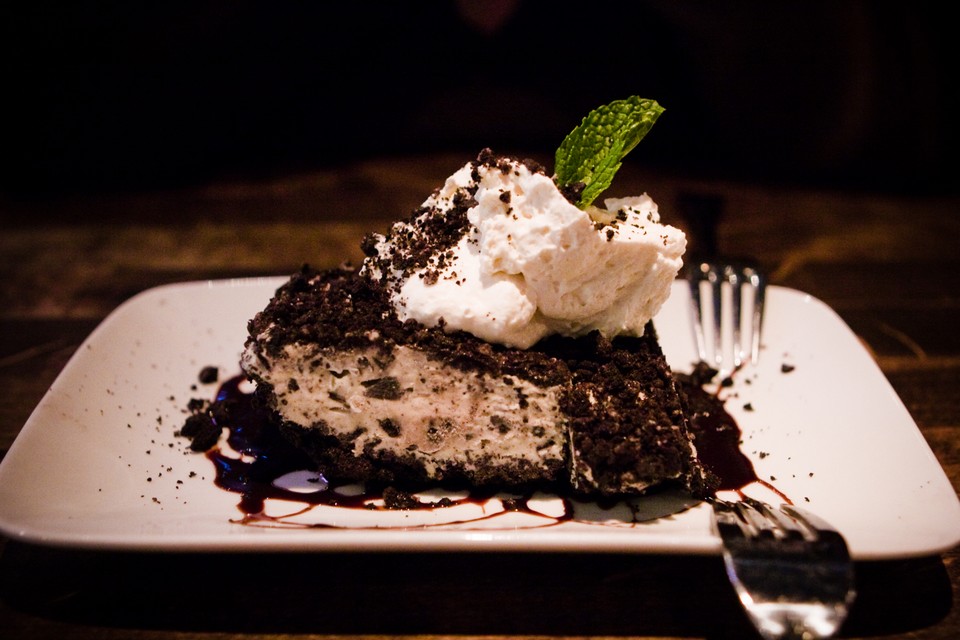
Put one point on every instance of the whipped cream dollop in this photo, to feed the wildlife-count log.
(500, 252)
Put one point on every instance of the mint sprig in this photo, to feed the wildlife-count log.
(592, 153)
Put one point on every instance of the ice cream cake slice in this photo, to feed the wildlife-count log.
(372, 398)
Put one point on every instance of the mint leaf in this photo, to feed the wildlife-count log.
(592, 153)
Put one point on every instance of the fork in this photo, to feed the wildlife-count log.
(790, 569)
(724, 308)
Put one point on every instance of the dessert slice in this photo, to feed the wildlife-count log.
(372, 398)
(499, 337)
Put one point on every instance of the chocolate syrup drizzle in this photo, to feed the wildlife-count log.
(265, 455)
(717, 436)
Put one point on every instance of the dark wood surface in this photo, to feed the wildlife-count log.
(888, 264)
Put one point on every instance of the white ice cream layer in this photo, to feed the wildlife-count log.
(435, 413)
(532, 264)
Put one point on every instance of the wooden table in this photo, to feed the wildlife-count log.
(888, 264)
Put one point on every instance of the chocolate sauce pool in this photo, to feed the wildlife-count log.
(717, 436)
(265, 456)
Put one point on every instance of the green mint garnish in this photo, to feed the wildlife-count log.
(592, 153)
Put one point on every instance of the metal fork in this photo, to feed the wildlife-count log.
(727, 283)
(791, 570)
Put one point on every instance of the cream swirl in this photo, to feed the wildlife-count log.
(500, 252)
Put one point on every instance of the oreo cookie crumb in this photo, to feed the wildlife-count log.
(201, 430)
(394, 498)
(209, 375)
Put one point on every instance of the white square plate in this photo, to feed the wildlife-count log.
(97, 465)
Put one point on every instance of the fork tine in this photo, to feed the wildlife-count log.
(806, 519)
(697, 311)
(759, 284)
(707, 275)
(732, 276)
(716, 291)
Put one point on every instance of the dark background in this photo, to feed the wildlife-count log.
(125, 96)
